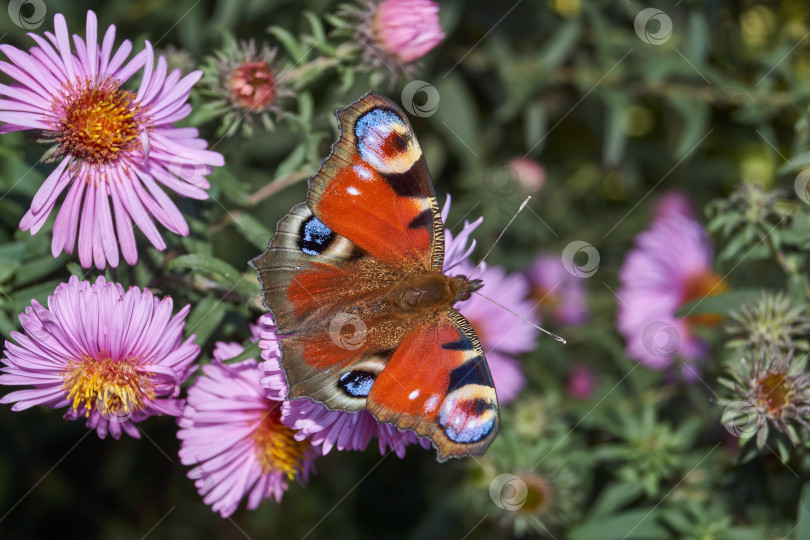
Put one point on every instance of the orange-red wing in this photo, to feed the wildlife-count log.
(437, 383)
(375, 188)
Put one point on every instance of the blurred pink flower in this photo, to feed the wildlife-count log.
(112, 144)
(673, 203)
(407, 29)
(233, 432)
(112, 356)
(670, 265)
(529, 174)
(559, 294)
(581, 382)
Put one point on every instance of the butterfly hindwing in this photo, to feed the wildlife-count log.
(295, 270)
(438, 384)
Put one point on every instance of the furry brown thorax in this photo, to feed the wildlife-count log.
(431, 291)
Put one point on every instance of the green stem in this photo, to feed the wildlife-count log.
(260, 195)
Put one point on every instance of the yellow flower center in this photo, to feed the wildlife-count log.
(98, 122)
(773, 393)
(702, 285)
(276, 447)
(114, 387)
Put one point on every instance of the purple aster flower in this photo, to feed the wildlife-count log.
(233, 432)
(559, 293)
(670, 266)
(111, 356)
(502, 335)
(111, 144)
(325, 428)
(457, 249)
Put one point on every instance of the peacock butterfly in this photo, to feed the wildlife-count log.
(354, 280)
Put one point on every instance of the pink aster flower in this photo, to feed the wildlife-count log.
(407, 29)
(670, 265)
(232, 431)
(112, 356)
(559, 294)
(325, 429)
(392, 33)
(112, 145)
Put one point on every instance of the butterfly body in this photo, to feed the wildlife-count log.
(363, 310)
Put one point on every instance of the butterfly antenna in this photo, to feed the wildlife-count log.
(555, 336)
(519, 210)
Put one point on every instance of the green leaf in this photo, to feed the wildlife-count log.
(725, 221)
(306, 106)
(615, 138)
(13, 251)
(291, 162)
(733, 246)
(38, 268)
(614, 497)
(799, 161)
(230, 186)
(252, 350)
(253, 230)
(456, 117)
(695, 44)
(39, 292)
(7, 324)
(721, 303)
(639, 523)
(205, 318)
(289, 42)
(560, 45)
(535, 124)
(220, 271)
(75, 269)
(8, 269)
(696, 118)
(803, 514)
(318, 37)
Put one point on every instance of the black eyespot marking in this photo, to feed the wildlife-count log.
(356, 383)
(471, 372)
(422, 221)
(314, 237)
(410, 183)
(397, 142)
(461, 344)
(468, 421)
